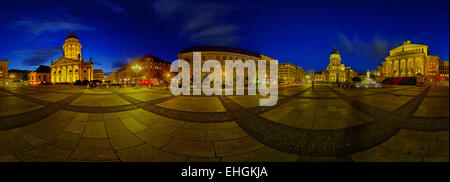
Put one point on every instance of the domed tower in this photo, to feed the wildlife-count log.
(335, 58)
(72, 47)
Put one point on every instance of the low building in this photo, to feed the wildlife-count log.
(41, 75)
(99, 75)
(444, 72)
(113, 77)
(146, 69)
(289, 73)
(18, 75)
(4, 70)
(221, 54)
(320, 77)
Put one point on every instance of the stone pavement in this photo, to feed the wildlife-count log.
(69, 123)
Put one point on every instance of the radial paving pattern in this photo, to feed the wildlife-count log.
(67, 123)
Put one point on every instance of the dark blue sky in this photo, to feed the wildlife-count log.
(302, 32)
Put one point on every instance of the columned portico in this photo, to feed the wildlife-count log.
(67, 68)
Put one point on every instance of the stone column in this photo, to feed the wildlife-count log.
(52, 75)
(406, 67)
(89, 74)
(64, 74)
(58, 74)
(73, 74)
(398, 68)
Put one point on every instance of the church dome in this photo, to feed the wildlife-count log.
(71, 35)
(335, 51)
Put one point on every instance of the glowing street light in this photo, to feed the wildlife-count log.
(136, 68)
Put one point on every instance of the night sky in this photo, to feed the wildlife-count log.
(303, 33)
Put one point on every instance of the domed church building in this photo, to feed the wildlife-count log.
(71, 67)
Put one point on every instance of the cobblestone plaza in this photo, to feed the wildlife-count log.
(70, 123)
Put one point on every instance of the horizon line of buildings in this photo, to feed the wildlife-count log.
(407, 60)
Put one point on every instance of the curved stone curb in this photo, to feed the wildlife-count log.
(102, 109)
(428, 124)
(10, 122)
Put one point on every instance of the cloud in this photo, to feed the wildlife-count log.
(373, 50)
(118, 65)
(48, 20)
(113, 6)
(201, 21)
(38, 56)
(39, 26)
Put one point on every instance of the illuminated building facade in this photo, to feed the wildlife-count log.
(4, 70)
(18, 75)
(99, 75)
(336, 72)
(113, 77)
(411, 60)
(40, 75)
(147, 68)
(71, 67)
(221, 53)
(289, 73)
(319, 77)
(444, 72)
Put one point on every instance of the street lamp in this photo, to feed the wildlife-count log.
(136, 68)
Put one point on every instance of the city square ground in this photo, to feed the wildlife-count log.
(71, 123)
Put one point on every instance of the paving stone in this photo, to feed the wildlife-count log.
(14, 105)
(190, 148)
(199, 126)
(323, 159)
(225, 134)
(81, 117)
(190, 134)
(93, 150)
(119, 136)
(194, 104)
(45, 153)
(64, 140)
(154, 138)
(380, 154)
(237, 146)
(95, 130)
(223, 125)
(76, 127)
(95, 117)
(319, 122)
(164, 128)
(147, 96)
(265, 154)
(146, 153)
(9, 158)
(203, 159)
(133, 125)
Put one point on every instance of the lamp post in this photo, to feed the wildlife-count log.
(136, 68)
(168, 80)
